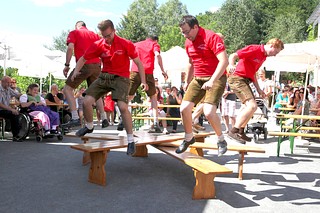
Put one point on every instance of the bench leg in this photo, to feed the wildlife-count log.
(86, 156)
(291, 139)
(201, 139)
(97, 172)
(197, 151)
(240, 166)
(141, 151)
(204, 188)
(279, 144)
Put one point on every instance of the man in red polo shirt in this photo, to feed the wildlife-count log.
(115, 53)
(250, 60)
(147, 50)
(206, 78)
(79, 40)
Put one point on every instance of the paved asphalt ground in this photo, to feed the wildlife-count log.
(48, 177)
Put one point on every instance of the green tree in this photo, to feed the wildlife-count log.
(140, 21)
(169, 15)
(289, 27)
(237, 23)
(59, 42)
(170, 37)
(208, 20)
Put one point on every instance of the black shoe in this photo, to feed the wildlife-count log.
(236, 137)
(72, 123)
(184, 146)
(244, 137)
(222, 148)
(105, 123)
(81, 132)
(17, 139)
(120, 126)
(131, 149)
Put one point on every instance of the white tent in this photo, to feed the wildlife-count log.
(175, 61)
(295, 57)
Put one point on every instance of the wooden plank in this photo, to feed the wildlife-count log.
(307, 117)
(295, 134)
(122, 143)
(204, 172)
(197, 148)
(96, 136)
(197, 162)
(302, 127)
(207, 145)
(159, 118)
(143, 138)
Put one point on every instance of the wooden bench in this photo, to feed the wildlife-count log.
(294, 129)
(98, 151)
(291, 136)
(141, 151)
(302, 127)
(197, 148)
(138, 121)
(204, 171)
(159, 118)
(87, 137)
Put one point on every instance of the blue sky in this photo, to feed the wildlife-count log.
(40, 20)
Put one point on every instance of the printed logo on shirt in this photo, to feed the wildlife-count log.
(119, 52)
(191, 49)
(257, 60)
(105, 54)
(220, 46)
(202, 47)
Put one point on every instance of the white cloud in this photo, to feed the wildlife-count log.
(93, 13)
(51, 3)
(214, 9)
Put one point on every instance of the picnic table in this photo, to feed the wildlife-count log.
(292, 130)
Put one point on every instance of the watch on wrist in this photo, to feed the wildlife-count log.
(67, 65)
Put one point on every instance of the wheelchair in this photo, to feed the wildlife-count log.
(29, 124)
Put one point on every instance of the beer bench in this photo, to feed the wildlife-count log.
(293, 130)
(204, 171)
(197, 148)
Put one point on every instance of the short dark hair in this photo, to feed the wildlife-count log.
(154, 37)
(81, 23)
(105, 24)
(190, 20)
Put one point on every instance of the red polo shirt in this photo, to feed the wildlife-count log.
(115, 58)
(82, 39)
(250, 60)
(203, 51)
(146, 51)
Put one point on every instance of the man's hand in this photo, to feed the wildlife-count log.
(231, 68)
(145, 86)
(65, 71)
(75, 74)
(165, 75)
(207, 86)
(262, 94)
